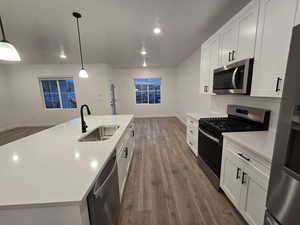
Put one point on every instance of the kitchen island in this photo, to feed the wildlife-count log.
(46, 177)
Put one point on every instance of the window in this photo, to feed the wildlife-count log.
(147, 90)
(58, 93)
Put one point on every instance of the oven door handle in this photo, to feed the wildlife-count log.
(209, 136)
(233, 78)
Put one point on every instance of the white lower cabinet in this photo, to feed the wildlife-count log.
(244, 180)
(192, 134)
(124, 156)
(232, 168)
(253, 195)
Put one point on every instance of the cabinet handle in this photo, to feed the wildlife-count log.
(229, 56)
(205, 88)
(238, 173)
(277, 84)
(126, 152)
(243, 178)
(244, 157)
(132, 133)
(232, 57)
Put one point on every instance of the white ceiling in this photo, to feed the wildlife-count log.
(113, 30)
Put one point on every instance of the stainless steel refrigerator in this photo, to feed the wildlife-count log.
(283, 201)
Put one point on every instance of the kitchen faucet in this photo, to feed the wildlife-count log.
(83, 123)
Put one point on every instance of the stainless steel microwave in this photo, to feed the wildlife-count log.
(235, 78)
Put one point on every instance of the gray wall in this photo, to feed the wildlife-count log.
(27, 100)
(125, 90)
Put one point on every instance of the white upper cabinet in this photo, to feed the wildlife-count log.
(276, 20)
(209, 62)
(228, 39)
(238, 35)
(204, 69)
(246, 28)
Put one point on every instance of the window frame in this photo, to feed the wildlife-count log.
(59, 93)
(151, 77)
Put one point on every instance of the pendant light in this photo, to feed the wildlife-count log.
(7, 51)
(82, 73)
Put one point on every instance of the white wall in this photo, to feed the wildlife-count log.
(28, 102)
(190, 99)
(188, 88)
(125, 91)
(6, 120)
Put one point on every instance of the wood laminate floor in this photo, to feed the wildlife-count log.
(165, 184)
(18, 133)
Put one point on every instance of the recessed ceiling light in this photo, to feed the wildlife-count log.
(63, 56)
(156, 30)
(144, 52)
(144, 64)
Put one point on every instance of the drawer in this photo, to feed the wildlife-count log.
(191, 122)
(192, 131)
(247, 156)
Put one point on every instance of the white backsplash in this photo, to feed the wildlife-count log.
(219, 104)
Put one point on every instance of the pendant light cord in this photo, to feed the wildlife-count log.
(2, 30)
(79, 39)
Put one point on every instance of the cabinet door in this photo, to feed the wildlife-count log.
(204, 69)
(253, 195)
(276, 19)
(231, 172)
(246, 31)
(214, 60)
(297, 19)
(228, 38)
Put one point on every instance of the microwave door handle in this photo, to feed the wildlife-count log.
(233, 78)
(209, 136)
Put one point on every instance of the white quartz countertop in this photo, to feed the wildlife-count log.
(260, 143)
(52, 167)
(198, 116)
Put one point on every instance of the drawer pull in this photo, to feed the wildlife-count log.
(244, 157)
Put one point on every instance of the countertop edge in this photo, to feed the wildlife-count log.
(249, 147)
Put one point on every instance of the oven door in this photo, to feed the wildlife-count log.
(233, 79)
(210, 151)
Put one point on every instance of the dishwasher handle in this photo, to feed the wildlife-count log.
(98, 191)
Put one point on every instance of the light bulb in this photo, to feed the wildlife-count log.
(156, 30)
(143, 52)
(144, 64)
(8, 52)
(83, 73)
(63, 56)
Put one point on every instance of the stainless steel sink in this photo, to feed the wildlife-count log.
(101, 133)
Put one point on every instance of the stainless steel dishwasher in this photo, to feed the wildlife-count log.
(104, 198)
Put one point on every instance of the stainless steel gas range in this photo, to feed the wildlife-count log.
(210, 141)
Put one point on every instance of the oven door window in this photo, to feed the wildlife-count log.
(293, 153)
(229, 79)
